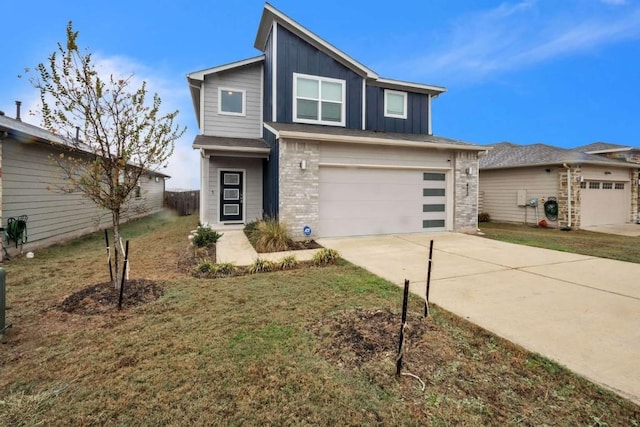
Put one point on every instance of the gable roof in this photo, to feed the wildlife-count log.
(601, 147)
(339, 134)
(508, 155)
(28, 133)
(197, 77)
(270, 15)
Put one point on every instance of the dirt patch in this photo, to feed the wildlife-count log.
(353, 338)
(102, 297)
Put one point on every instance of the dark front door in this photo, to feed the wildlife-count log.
(231, 197)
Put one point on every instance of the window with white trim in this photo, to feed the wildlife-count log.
(318, 100)
(231, 101)
(395, 104)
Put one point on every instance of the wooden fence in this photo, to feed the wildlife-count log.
(183, 202)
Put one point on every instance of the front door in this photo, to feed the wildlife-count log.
(231, 197)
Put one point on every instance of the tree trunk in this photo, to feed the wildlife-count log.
(115, 216)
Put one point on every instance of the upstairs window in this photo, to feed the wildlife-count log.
(395, 104)
(318, 100)
(231, 101)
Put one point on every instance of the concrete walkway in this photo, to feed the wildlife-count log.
(580, 311)
(629, 230)
(234, 247)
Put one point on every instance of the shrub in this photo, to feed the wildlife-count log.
(484, 217)
(225, 269)
(206, 266)
(325, 256)
(288, 262)
(270, 236)
(260, 265)
(204, 236)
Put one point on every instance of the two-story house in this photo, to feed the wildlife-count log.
(309, 135)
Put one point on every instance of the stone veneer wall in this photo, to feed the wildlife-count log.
(299, 188)
(563, 207)
(465, 215)
(635, 188)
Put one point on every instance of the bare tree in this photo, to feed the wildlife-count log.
(121, 135)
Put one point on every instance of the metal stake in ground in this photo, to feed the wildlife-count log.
(106, 239)
(124, 273)
(426, 296)
(405, 300)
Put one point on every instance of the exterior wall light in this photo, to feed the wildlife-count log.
(303, 164)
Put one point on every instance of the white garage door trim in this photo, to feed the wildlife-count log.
(380, 202)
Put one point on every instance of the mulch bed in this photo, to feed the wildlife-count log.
(102, 297)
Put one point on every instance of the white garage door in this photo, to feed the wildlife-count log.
(366, 201)
(604, 202)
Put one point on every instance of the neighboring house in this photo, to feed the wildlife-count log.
(306, 134)
(589, 189)
(612, 151)
(28, 178)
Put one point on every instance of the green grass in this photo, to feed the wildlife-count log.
(253, 350)
(602, 245)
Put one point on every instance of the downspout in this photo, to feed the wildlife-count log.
(568, 193)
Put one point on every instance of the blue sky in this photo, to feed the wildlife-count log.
(564, 73)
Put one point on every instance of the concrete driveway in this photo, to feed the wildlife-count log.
(583, 312)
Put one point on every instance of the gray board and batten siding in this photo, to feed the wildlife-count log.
(248, 79)
(29, 179)
(297, 56)
(417, 120)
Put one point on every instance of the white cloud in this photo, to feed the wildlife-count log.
(514, 36)
(183, 166)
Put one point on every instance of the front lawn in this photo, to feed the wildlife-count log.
(601, 245)
(312, 346)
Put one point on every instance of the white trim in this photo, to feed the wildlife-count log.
(404, 107)
(261, 98)
(343, 109)
(308, 136)
(199, 75)
(272, 130)
(429, 130)
(237, 149)
(391, 167)
(450, 204)
(204, 186)
(274, 72)
(417, 87)
(230, 113)
(244, 194)
(364, 104)
(609, 150)
(202, 115)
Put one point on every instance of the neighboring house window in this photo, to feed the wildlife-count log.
(395, 104)
(138, 192)
(231, 101)
(318, 100)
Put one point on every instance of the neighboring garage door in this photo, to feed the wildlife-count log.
(366, 201)
(604, 202)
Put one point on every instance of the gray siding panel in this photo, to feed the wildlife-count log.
(29, 180)
(297, 56)
(417, 113)
(248, 78)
